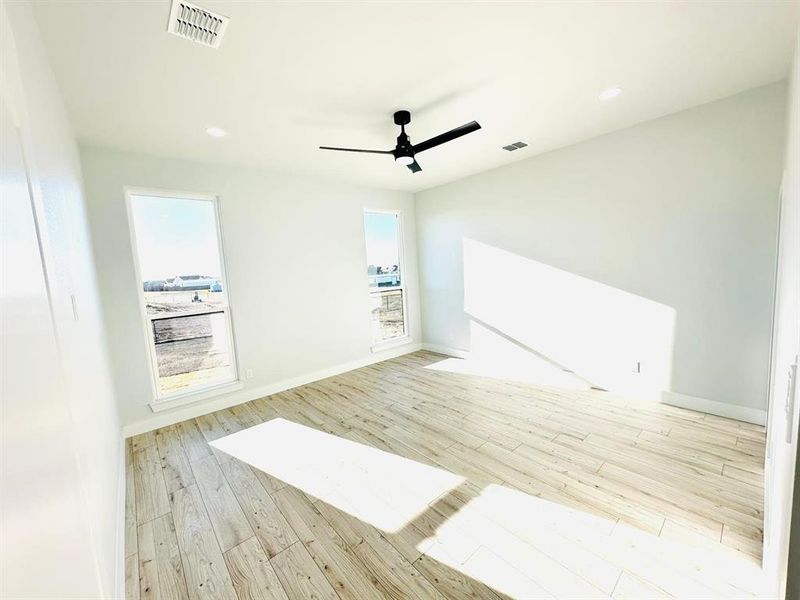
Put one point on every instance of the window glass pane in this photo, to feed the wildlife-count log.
(192, 351)
(178, 252)
(383, 249)
(388, 321)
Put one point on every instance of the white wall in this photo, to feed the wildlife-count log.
(296, 267)
(653, 244)
(781, 465)
(62, 451)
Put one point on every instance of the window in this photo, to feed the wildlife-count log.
(387, 292)
(183, 292)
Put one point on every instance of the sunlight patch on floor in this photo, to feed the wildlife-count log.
(527, 547)
(382, 489)
(521, 545)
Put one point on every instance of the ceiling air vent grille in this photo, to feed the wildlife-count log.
(515, 146)
(189, 21)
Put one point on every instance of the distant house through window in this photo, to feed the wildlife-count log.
(183, 292)
(387, 293)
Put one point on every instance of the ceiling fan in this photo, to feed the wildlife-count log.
(405, 152)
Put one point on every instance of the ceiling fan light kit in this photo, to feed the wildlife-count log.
(405, 152)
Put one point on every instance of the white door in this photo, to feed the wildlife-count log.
(784, 405)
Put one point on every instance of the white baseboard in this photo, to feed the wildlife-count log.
(715, 407)
(445, 350)
(203, 407)
(704, 405)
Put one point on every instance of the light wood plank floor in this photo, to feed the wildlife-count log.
(560, 494)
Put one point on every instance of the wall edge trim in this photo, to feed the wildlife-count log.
(119, 578)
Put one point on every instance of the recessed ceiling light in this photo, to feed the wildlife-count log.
(610, 93)
(216, 132)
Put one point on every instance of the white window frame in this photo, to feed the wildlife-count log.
(160, 401)
(377, 346)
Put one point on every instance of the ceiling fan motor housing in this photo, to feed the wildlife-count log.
(403, 147)
(402, 117)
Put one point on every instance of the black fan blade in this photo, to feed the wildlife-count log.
(356, 150)
(414, 167)
(447, 137)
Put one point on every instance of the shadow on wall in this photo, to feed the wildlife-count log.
(563, 329)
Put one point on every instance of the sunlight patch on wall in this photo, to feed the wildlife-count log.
(493, 355)
(600, 333)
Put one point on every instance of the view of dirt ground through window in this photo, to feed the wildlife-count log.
(184, 292)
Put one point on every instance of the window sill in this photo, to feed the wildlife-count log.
(196, 396)
(393, 343)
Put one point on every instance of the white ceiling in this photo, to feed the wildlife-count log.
(289, 77)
